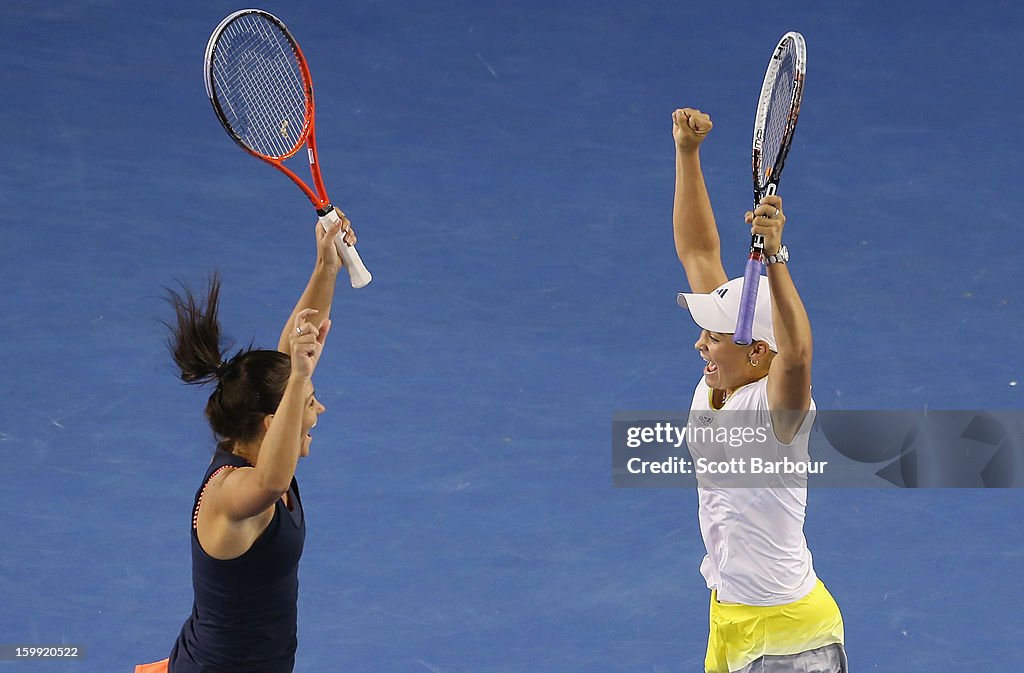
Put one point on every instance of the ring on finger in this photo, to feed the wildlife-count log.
(777, 211)
(298, 330)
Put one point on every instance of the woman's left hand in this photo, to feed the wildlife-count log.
(306, 343)
(768, 220)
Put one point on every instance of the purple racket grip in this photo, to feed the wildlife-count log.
(748, 300)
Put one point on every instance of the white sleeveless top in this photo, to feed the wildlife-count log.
(756, 550)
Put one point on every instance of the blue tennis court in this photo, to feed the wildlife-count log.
(509, 170)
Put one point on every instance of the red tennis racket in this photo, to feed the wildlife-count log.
(262, 92)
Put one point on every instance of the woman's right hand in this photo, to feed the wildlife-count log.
(690, 127)
(326, 250)
(306, 343)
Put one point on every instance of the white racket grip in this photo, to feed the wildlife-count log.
(357, 271)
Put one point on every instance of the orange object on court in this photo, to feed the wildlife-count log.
(155, 667)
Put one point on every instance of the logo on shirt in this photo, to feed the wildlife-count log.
(721, 292)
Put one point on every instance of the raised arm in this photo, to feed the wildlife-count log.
(248, 492)
(789, 379)
(693, 221)
(319, 292)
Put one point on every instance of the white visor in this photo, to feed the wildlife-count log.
(717, 311)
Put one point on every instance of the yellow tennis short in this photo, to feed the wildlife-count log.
(741, 634)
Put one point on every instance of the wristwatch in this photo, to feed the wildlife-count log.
(781, 257)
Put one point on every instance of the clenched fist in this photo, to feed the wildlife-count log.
(690, 127)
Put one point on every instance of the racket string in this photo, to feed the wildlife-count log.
(780, 115)
(260, 86)
(257, 76)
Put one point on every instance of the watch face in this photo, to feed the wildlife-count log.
(781, 256)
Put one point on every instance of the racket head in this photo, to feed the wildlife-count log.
(778, 109)
(259, 84)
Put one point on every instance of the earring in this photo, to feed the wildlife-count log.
(753, 364)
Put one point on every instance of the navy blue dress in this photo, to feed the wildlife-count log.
(245, 611)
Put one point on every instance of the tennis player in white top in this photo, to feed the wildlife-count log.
(769, 611)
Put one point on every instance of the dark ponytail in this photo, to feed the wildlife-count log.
(249, 385)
